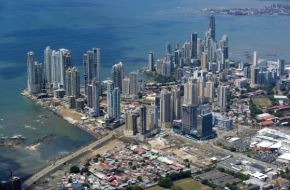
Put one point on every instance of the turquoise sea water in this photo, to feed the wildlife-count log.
(125, 30)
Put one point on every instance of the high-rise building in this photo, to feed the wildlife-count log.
(178, 74)
(126, 86)
(165, 109)
(91, 60)
(212, 26)
(191, 92)
(156, 110)
(176, 102)
(47, 66)
(34, 74)
(200, 88)
(222, 97)
(72, 86)
(130, 123)
(166, 68)
(110, 88)
(204, 61)
(151, 62)
(168, 48)
(93, 99)
(204, 124)
(209, 91)
(65, 63)
(116, 101)
(224, 43)
(189, 118)
(118, 75)
(254, 75)
(143, 119)
(61, 60)
(255, 58)
(150, 119)
(281, 67)
(133, 83)
(177, 57)
(194, 45)
(220, 60)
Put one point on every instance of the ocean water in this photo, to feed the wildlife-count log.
(125, 30)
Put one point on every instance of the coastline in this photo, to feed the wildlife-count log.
(60, 114)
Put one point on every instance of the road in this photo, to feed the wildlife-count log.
(33, 179)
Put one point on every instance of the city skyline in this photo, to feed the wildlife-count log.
(193, 110)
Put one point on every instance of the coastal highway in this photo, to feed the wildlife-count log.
(33, 179)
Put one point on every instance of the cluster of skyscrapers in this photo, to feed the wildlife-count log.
(264, 73)
(210, 54)
(186, 105)
(59, 78)
(193, 65)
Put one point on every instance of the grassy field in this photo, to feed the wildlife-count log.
(185, 184)
(262, 101)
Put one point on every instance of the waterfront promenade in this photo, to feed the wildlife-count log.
(50, 168)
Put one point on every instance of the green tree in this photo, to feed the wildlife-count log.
(165, 182)
(74, 169)
(139, 178)
(135, 187)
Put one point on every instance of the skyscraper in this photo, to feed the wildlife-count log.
(255, 59)
(220, 60)
(177, 57)
(34, 74)
(224, 43)
(176, 102)
(65, 61)
(118, 75)
(191, 92)
(91, 60)
(209, 91)
(116, 101)
(204, 124)
(47, 66)
(150, 119)
(168, 48)
(126, 86)
(133, 83)
(130, 123)
(110, 88)
(212, 26)
(165, 109)
(61, 60)
(281, 67)
(189, 118)
(194, 45)
(72, 82)
(222, 97)
(151, 62)
(143, 119)
(200, 87)
(93, 100)
(204, 61)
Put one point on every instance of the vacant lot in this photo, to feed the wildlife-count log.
(185, 184)
(262, 101)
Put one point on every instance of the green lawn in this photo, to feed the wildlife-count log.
(262, 101)
(185, 184)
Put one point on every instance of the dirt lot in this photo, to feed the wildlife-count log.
(262, 101)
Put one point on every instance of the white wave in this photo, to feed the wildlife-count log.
(29, 127)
